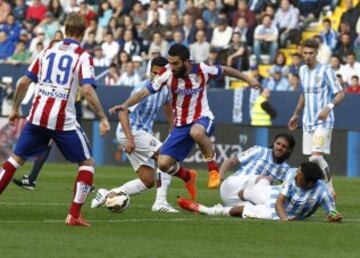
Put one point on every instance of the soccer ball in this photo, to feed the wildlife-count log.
(118, 203)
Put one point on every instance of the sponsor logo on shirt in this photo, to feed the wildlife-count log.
(53, 92)
(188, 92)
(312, 90)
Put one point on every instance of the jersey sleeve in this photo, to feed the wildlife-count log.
(159, 81)
(333, 82)
(166, 96)
(249, 154)
(33, 70)
(86, 70)
(213, 71)
(286, 188)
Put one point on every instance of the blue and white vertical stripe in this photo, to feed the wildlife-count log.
(319, 86)
(301, 203)
(143, 114)
(264, 164)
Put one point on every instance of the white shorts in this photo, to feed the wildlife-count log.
(145, 147)
(230, 188)
(317, 141)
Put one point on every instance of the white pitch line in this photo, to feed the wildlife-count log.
(51, 204)
(145, 220)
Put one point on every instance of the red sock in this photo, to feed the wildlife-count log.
(183, 173)
(82, 188)
(7, 172)
(212, 164)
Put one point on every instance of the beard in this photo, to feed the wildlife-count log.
(181, 73)
(282, 158)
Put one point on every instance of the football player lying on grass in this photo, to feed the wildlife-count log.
(298, 198)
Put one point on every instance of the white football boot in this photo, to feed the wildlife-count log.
(100, 198)
(163, 207)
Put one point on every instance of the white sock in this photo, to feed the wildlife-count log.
(323, 165)
(214, 211)
(162, 184)
(331, 186)
(132, 187)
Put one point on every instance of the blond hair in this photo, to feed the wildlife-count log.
(75, 25)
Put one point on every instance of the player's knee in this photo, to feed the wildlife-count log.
(149, 182)
(146, 175)
(165, 167)
(197, 133)
(236, 211)
(315, 158)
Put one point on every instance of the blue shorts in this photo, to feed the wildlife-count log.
(74, 144)
(179, 142)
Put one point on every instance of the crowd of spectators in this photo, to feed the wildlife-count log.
(124, 35)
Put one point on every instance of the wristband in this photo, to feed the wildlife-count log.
(331, 105)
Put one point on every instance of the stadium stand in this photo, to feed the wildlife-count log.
(123, 32)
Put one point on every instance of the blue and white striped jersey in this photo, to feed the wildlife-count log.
(302, 203)
(143, 114)
(259, 161)
(319, 86)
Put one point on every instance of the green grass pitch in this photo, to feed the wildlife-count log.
(32, 224)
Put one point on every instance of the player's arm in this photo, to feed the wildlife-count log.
(132, 100)
(336, 89)
(169, 114)
(229, 71)
(339, 97)
(227, 165)
(21, 89)
(293, 122)
(279, 207)
(327, 203)
(125, 124)
(94, 103)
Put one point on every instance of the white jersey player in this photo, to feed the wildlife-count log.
(321, 92)
(298, 198)
(256, 161)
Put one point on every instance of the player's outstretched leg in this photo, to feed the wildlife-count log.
(200, 136)
(8, 170)
(82, 188)
(196, 207)
(161, 204)
(136, 186)
(172, 167)
(29, 181)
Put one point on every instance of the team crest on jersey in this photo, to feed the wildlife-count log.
(198, 79)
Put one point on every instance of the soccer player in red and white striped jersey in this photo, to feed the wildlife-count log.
(57, 71)
(187, 82)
